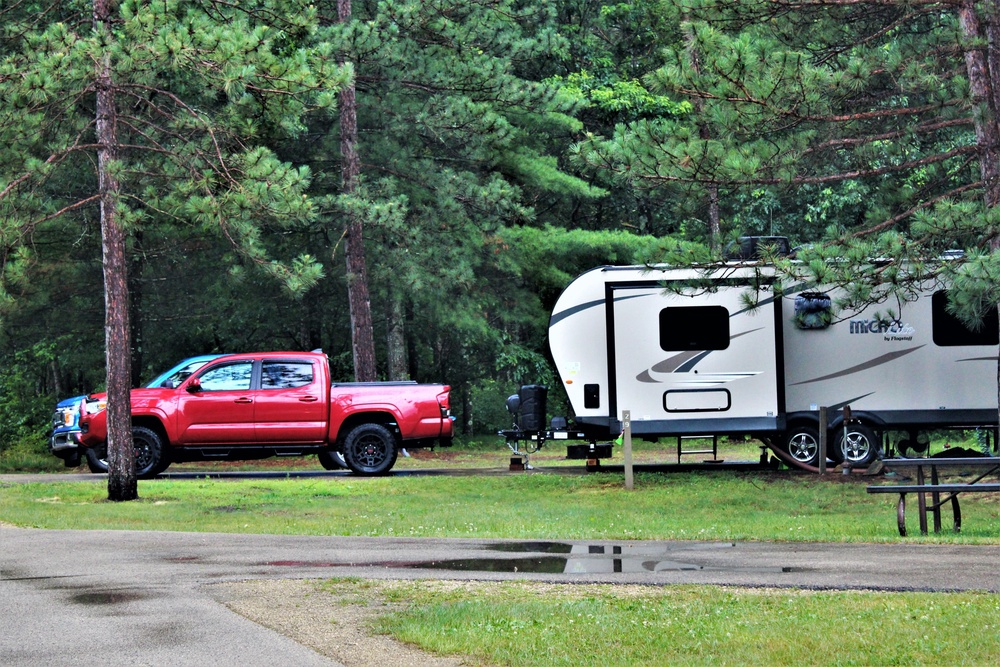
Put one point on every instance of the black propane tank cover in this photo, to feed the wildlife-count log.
(533, 399)
(513, 404)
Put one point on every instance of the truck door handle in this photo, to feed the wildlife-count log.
(308, 399)
(243, 400)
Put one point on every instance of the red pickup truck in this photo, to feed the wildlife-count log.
(251, 406)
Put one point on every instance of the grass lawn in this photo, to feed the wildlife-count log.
(716, 505)
(519, 623)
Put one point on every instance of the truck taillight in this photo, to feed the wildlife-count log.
(443, 403)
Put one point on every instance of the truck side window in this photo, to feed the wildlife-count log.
(228, 377)
(285, 375)
(685, 328)
(950, 331)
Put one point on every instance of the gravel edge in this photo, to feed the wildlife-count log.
(330, 625)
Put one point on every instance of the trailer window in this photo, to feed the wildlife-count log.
(694, 328)
(949, 331)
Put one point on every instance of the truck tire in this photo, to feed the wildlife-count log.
(150, 455)
(370, 449)
(331, 459)
(802, 444)
(97, 458)
(861, 446)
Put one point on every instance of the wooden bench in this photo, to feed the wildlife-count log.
(936, 488)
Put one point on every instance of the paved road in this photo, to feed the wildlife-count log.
(138, 598)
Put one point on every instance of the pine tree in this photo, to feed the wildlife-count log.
(874, 122)
(457, 137)
(161, 109)
(887, 108)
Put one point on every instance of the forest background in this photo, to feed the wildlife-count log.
(503, 148)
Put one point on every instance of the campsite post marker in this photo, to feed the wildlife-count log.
(627, 444)
(823, 434)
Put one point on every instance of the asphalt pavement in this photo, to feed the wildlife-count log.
(140, 598)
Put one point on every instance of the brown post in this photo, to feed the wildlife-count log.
(823, 436)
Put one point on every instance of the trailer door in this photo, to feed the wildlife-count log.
(694, 364)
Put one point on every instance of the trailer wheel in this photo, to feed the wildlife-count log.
(860, 447)
(802, 444)
(370, 449)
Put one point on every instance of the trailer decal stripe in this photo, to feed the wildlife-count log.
(840, 406)
(871, 363)
(683, 362)
(560, 316)
(674, 362)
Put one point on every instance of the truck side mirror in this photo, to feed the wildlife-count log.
(194, 385)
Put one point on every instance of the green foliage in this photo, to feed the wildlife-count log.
(199, 88)
(826, 124)
(28, 455)
(24, 407)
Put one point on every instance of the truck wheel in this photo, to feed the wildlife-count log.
(802, 444)
(860, 447)
(150, 454)
(370, 449)
(332, 460)
(97, 458)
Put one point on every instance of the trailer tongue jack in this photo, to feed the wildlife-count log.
(528, 410)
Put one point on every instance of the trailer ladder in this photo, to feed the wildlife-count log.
(714, 451)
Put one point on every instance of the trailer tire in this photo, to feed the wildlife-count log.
(861, 446)
(370, 449)
(802, 444)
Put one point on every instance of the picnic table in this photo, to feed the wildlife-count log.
(928, 473)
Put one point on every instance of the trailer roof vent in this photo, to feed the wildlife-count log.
(749, 247)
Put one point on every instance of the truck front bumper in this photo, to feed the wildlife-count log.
(64, 442)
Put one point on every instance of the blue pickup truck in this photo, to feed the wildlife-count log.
(65, 439)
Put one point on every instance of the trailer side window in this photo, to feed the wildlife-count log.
(950, 331)
(694, 328)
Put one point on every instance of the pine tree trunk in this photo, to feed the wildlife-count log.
(137, 263)
(396, 340)
(983, 89)
(362, 336)
(984, 84)
(122, 484)
(714, 221)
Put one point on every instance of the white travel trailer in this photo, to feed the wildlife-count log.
(701, 362)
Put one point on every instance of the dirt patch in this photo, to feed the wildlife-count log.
(329, 624)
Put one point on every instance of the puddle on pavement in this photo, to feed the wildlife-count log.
(543, 564)
(572, 559)
(532, 547)
(101, 598)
